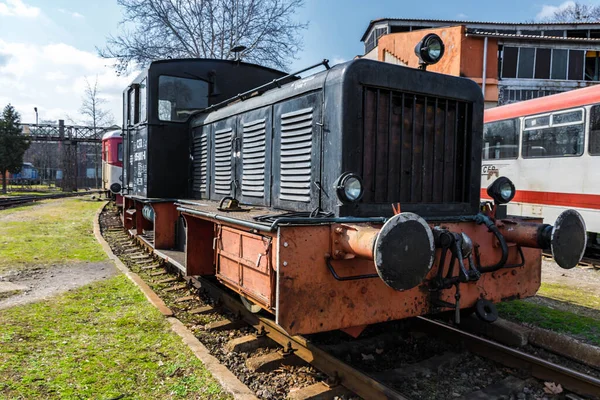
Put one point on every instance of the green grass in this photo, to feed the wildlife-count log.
(50, 232)
(101, 341)
(570, 294)
(548, 318)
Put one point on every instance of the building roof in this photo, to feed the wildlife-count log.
(442, 22)
(561, 101)
(479, 33)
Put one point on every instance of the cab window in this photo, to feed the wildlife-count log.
(143, 112)
(178, 98)
(501, 140)
(120, 152)
(557, 135)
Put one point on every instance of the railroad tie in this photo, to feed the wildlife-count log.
(185, 298)
(224, 325)
(157, 273)
(202, 310)
(153, 266)
(168, 280)
(272, 361)
(140, 257)
(319, 391)
(176, 288)
(249, 343)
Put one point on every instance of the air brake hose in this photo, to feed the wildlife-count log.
(483, 219)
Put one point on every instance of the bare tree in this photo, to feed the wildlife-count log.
(95, 116)
(576, 12)
(159, 29)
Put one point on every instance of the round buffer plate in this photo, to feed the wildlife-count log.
(569, 239)
(404, 251)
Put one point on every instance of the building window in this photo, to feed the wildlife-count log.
(554, 33)
(559, 64)
(509, 63)
(557, 135)
(594, 148)
(576, 65)
(373, 38)
(501, 140)
(578, 33)
(526, 60)
(592, 66)
(542, 63)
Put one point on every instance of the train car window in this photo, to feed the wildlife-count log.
(501, 140)
(553, 141)
(537, 122)
(180, 97)
(526, 58)
(594, 148)
(567, 117)
(143, 110)
(120, 152)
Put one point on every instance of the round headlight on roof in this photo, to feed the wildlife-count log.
(349, 187)
(502, 190)
(430, 49)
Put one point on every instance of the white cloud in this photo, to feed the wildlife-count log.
(52, 78)
(16, 8)
(549, 10)
(337, 60)
(462, 16)
(73, 14)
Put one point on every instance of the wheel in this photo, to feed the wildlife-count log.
(250, 306)
(486, 310)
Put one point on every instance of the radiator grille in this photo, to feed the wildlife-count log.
(415, 148)
(223, 161)
(296, 150)
(200, 161)
(253, 179)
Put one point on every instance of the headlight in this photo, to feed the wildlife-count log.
(115, 188)
(502, 190)
(430, 49)
(349, 187)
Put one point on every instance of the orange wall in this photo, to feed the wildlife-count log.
(463, 55)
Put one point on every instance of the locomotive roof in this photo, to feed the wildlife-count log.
(468, 89)
(560, 101)
(112, 134)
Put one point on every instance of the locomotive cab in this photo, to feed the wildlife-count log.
(345, 198)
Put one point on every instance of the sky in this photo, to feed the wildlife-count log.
(48, 47)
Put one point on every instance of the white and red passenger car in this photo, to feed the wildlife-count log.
(550, 148)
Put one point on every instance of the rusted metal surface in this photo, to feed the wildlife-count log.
(361, 384)
(520, 232)
(353, 240)
(165, 217)
(329, 304)
(572, 380)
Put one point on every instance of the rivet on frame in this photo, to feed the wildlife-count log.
(285, 244)
(285, 263)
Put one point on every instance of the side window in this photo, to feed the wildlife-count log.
(501, 140)
(595, 130)
(120, 152)
(143, 110)
(178, 98)
(556, 135)
(132, 115)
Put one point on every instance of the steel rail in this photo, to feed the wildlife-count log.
(13, 201)
(570, 379)
(342, 373)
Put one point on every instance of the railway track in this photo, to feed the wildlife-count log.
(19, 200)
(212, 312)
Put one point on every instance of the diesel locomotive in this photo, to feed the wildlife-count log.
(333, 201)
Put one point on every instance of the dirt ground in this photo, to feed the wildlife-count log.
(583, 278)
(28, 285)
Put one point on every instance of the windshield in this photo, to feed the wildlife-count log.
(179, 97)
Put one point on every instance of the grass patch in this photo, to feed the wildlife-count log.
(101, 341)
(53, 231)
(570, 294)
(579, 326)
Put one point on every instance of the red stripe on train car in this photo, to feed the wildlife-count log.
(555, 199)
